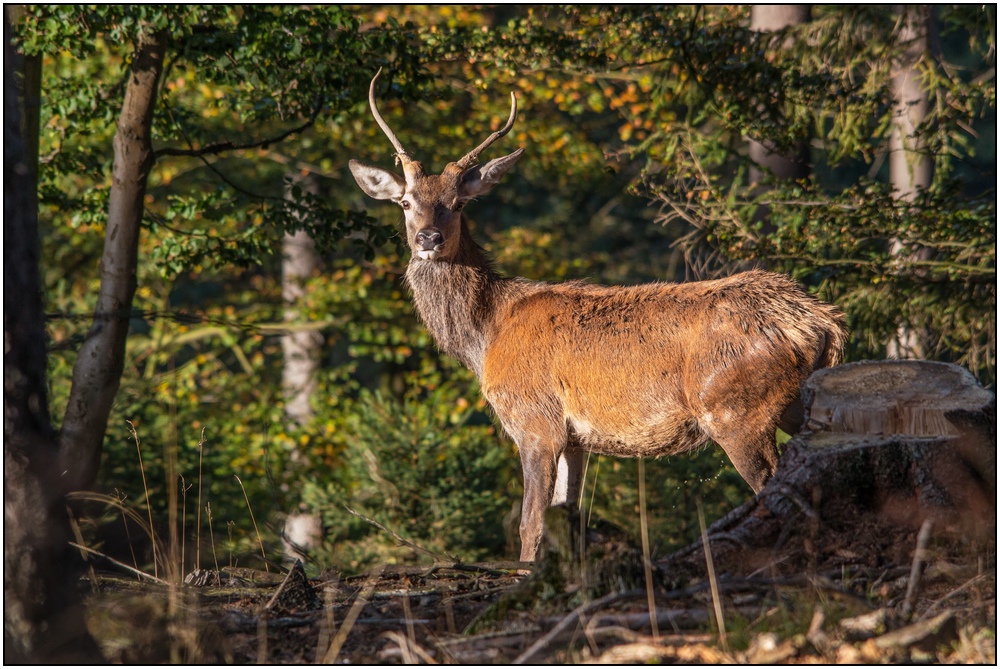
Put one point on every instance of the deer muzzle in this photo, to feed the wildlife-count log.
(429, 243)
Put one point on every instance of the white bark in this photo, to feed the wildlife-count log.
(909, 168)
(301, 347)
(795, 164)
(302, 532)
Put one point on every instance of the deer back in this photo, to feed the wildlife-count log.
(650, 369)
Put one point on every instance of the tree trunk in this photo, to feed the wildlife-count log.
(301, 347)
(887, 446)
(795, 164)
(31, 105)
(43, 612)
(98, 369)
(910, 169)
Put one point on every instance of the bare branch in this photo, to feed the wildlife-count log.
(401, 540)
(216, 148)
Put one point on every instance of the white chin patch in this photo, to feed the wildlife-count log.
(428, 255)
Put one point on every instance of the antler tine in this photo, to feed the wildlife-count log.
(470, 158)
(401, 153)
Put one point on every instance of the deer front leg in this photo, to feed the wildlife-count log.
(541, 450)
(539, 467)
(538, 427)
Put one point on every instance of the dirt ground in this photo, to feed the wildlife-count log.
(845, 599)
(861, 549)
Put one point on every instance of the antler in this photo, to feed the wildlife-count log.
(401, 153)
(469, 159)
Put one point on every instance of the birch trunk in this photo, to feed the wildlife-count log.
(910, 169)
(795, 164)
(301, 348)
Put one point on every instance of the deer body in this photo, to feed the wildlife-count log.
(641, 371)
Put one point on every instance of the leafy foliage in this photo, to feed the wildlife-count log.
(421, 469)
(619, 105)
(930, 263)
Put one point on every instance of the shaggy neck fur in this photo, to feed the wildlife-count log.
(458, 298)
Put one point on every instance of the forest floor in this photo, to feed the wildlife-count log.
(839, 600)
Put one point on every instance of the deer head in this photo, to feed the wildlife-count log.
(432, 204)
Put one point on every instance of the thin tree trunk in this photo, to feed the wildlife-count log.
(909, 168)
(301, 348)
(43, 614)
(101, 360)
(795, 164)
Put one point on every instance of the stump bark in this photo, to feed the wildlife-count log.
(886, 445)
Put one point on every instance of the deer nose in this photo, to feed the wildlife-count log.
(429, 239)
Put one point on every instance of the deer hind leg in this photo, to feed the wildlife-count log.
(742, 418)
(755, 455)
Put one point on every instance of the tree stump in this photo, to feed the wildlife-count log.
(899, 397)
(886, 445)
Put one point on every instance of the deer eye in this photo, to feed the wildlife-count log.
(459, 206)
(405, 204)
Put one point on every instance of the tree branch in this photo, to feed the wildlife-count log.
(403, 542)
(216, 148)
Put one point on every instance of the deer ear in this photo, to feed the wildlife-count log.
(482, 178)
(378, 183)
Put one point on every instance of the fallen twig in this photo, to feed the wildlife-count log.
(409, 650)
(917, 568)
(451, 560)
(576, 615)
(116, 562)
(338, 641)
(965, 586)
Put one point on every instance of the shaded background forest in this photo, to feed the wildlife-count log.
(273, 360)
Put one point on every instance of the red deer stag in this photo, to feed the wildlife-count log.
(647, 370)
